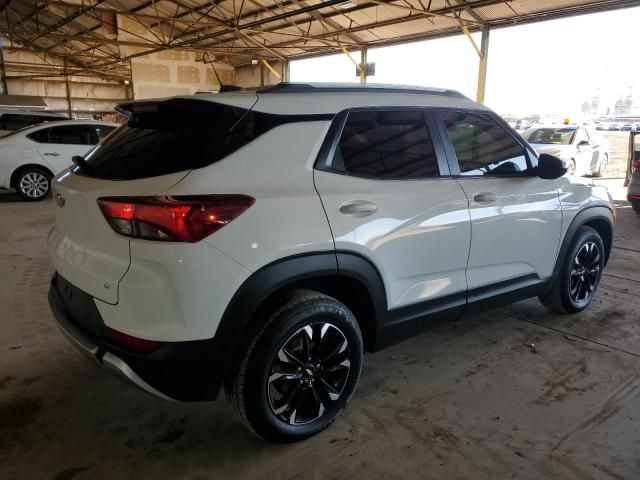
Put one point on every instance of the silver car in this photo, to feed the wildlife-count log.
(582, 150)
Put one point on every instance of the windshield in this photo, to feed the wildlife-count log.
(552, 136)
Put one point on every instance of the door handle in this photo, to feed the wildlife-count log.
(485, 197)
(52, 154)
(358, 208)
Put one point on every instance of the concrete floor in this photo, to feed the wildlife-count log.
(464, 400)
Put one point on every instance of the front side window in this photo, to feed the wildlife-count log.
(581, 136)
(102, 131)
(550, 136)
(483, 146)
(386, 144)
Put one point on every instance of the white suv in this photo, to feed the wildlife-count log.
(264, 240)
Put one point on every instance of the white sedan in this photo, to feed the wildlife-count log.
(30, 157)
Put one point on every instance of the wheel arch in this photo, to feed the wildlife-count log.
(26, 166)
(347, 277)
(598, 217)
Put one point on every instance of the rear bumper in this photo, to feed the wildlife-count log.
(183, 371)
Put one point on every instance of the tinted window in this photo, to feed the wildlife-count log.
(386, 144)
(12, 121)
(551, 136)
(179, 135)
(102, 131)
(482, 146)
(16, 122)
(40, 136)
(71, 135)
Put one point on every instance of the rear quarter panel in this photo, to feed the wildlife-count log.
(277, 170)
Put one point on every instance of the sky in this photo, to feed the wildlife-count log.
(547, 68)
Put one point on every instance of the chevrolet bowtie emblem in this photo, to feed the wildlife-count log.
(60, 201)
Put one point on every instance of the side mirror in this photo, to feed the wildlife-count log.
(583, 145)
(550, 167)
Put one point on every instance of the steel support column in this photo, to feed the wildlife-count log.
(482, 65)
(363, 63)
(68, 90)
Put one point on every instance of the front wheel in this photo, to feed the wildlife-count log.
(602, 165)
(579, 276)
(33, 184)
(300, 370)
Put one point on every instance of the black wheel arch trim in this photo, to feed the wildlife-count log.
(584, 217)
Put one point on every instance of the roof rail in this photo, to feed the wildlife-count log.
(287, 87)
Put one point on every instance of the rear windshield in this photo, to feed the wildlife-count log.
(165, 138)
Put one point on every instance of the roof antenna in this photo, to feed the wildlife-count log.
(223, 87)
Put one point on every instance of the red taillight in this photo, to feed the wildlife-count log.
(133, 343)
(173, 219)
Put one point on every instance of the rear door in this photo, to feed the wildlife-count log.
(515, 217)
(388, 196)
(63, 142)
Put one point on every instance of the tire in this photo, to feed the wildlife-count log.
(579, 276)
(33, 184)
(571, 170)
(636, 205)
(283, 397)
(602, 166)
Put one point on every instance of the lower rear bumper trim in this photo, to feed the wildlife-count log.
(105, 359)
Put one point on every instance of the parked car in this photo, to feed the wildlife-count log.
(601, 126)
(626, 127)
(264, 240)
(29, 158)
(12, 120)
(632, 180)
(614, 127)
(583, 151)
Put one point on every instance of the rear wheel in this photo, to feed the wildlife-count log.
(579, 276)
(300, 370)
(636, 205)
(571, 168)
(33, 184)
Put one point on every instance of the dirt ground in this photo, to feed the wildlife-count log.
(470, 399)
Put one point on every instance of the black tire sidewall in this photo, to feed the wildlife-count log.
(586, 234)
(24, 195)
(258, 369)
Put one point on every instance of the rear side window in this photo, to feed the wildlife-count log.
(71, 135)
(40, 136)
(169, 137)
(482, 145)
(178, 135)
(386, 144)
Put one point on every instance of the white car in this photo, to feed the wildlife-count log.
(32, 156)
(264, 240)
(583, 151)
(13, 119)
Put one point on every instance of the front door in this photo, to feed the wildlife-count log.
(389, 197)
(516, 218)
